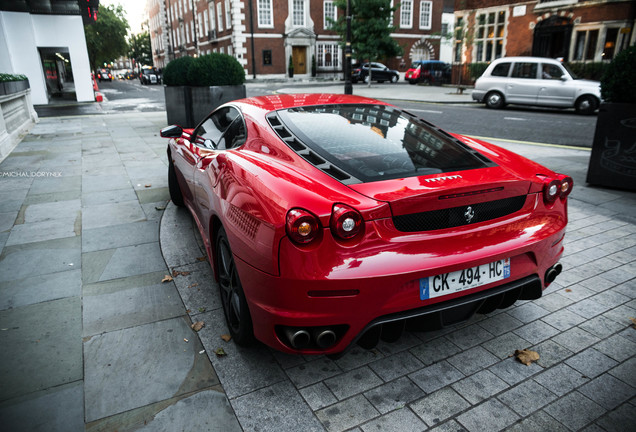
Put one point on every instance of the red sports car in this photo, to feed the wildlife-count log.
(332, 219)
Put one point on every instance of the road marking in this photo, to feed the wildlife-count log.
(426, 111)
(514, 118)
(491, 139)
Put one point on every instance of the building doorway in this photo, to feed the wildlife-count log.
(552, 38)
(299, 58)
(58, 73)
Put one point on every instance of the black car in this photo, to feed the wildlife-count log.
(149, 76)
(379, 73)
(104, 74)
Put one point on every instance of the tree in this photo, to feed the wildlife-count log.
(370, 29)
(140, 49)
(106, 38)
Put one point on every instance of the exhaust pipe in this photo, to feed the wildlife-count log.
(298, 338)
(324, 338)
(552, 273)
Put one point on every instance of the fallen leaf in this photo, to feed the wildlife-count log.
(193, 285)
(148, 185)
(220, 352)
(159, 208)
(197, 326)
(226, 337)
(526, 356)
(185, 340)
(633, 320)
(568, 290)
(203, 258)
(166, 278)
(176, 273)
(201, 309)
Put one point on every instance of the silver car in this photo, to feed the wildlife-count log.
(535, 81)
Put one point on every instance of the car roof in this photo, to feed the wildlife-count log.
(527, 59)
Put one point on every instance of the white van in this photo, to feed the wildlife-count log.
(535, 81)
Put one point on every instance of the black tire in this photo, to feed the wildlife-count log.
(494, 100)
(586, 105)
(412, 81)
(235, 309)
(394, 79)
(173, 186)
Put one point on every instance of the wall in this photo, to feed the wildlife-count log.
(23, 33)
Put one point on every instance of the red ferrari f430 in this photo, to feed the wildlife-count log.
(331, 220)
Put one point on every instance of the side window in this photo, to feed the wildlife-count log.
(550, 71)
(220, 128)
(501, 70)
(524, 70)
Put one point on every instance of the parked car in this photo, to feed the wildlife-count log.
(104, 74)
(429, 72)
(129, 75)
(535, 81)
(379, 73)
(149, 75)
(335, 219)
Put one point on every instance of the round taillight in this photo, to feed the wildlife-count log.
(302, 226)
(346, 222)
(551, 190)
(566, 186)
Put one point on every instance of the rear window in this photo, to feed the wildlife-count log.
(524, 70)
(501, 70)
(375, 142)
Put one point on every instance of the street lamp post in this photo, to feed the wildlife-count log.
(348, 89)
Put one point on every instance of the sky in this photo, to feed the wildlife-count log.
(135, 12)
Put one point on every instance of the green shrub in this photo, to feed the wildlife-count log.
(477, 69)
(5, 77)
(176, 72)
(618, 83)
(215, 70)
(592, 71)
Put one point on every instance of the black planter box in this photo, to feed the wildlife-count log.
(613, 159)
(10, 87)
(186, 106)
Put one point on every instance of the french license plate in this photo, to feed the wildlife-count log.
(461, 280)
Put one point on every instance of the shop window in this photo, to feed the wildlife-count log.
(267, 57)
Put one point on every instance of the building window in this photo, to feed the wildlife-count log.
(265, 13)
(406, 14)
(489, 36)
(611, 40)
(328, 55)
(459, 39)
(298, 13)
(219, 15)
(330, 12)
(426, 8)
(212, 20)
(586, 44)
(228, 15)
(267, 57)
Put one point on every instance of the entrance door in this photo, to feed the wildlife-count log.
(299, 57)
(552, 38)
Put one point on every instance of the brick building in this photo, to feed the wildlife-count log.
(264, 34)
(575, 30)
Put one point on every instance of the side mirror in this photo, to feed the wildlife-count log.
(173, 131)
(564, 77)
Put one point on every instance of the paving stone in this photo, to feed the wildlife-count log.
(563, 319)
(553, 301)
(439, 406)
(528, 312)
(394, 395)
(397, 365)
(122, 262)
(116, 236)
(39, 289)
(42, 231)
(551, 353)
(312, 372)
(576, 292)
(358, 357)
(276, 407)
(575, 410)
(469, 336)
(621, 274)
(11, 200)
(41, 347)
(575, 339)
(607, 391)
(561, 379)
(435, 350)
(591, 363)
(198, 290)
(96, 216)
(500, 324)
(473, 360)
(318, 396)
(491, 415)
(108, 197)
(449, 426)
(34, 259)
(588, 308)
(434, 377)
(480, 386)
(347, 414)
(91, 184)
(353, 382)
(539, 421)
(396, 421)
(7, 220)
(536, 332)
(110, 365)
(601, 326)
(52, 210)
(505, 345)
(60, 184)
(513, 372)
(625, 372)
(617, 347)
(621, 419)
(527, 397)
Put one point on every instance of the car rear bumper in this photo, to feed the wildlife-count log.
(478, 95)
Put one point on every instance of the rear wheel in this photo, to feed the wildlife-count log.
(394, 79)
(495, 100)
(173, 186)
(585, 105)
(237, 314)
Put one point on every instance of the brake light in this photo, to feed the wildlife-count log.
(346, 222)
(302, 226)
(557, 188)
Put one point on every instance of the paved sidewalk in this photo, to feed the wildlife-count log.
(92, 339)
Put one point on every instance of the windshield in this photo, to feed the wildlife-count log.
(572, 74)
(376, 142)
(415, 65)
